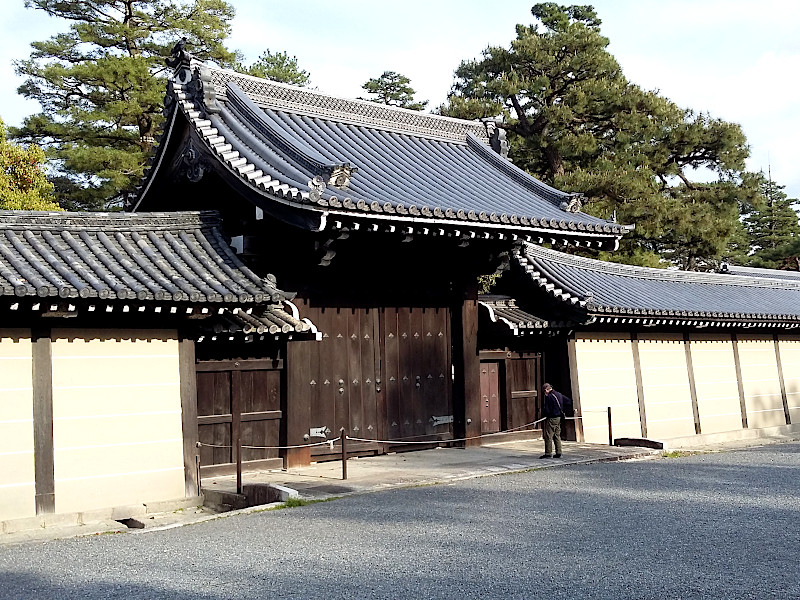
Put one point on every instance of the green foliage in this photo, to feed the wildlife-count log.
(574, 121)
(772, 227)
(101, 87)
(278, 66)
(393, 89)
(23, 183)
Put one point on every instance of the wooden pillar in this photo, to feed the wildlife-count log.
(739, 381)
(188, 376)
(637, 369)
(572, 355)
(297, 403)
(43, 451)
(687, 346)
(784, 397)
(467, 382)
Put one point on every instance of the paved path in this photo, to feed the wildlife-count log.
(721, 525)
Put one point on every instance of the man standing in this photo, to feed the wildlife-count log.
(555, 408)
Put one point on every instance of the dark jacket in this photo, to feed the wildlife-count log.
(557, 404)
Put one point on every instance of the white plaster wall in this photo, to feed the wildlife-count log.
(715, 383)
(606, 378)
(790, 362)
(762, 388)
(17, 478)
(116, 418)
(665, 383)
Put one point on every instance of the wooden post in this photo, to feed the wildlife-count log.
(343, 437)
(637, 368)
(188, 391)
(44, 453)
(610, 433)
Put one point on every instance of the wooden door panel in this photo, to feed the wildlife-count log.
(490, 397)
(523, 385)
(243, 401)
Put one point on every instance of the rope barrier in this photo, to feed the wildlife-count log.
(355, 439)
(325, 443)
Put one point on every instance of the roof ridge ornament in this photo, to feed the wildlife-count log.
(574, 204)
(196, 82)
(497, 135)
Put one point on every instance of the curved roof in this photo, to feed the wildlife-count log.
(610, 289)
(172, 257)
(756, 272)
(363, 159)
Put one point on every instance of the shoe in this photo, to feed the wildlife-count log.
(546, 456)
(557, 456)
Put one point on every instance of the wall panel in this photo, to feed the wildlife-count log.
(665, 379)
(606, 378)
(762, 388)
(790, 360)
(17, 476)
(715, 382)
(116, 418)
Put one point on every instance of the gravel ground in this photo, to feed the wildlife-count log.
(721, 525)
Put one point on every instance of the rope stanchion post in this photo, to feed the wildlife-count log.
(238, 465)
(343, 437)
(197, 466)
(610, 434)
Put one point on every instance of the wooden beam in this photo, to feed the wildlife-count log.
(637, 369)
(739, 381)
(784, 397)
(239, 365)
(43, 451)
(264, 415)
(687, 346)
(188, 391)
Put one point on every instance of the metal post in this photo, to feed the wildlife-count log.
(343, 437)
(610, 435)
(238, 464)
(197, 463)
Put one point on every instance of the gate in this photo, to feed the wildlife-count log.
(490, 396)
(238, 400)
(381, 373)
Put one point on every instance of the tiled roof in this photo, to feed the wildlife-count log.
(144, 259)
(504, 311)
(652, 296)
(357, 158)
(755, 272)
(148, 256)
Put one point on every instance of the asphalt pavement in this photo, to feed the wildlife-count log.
(704, 525)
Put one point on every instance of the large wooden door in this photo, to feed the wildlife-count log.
(343, 382)
(238, 400)
(523, 382)
(417, 373)
(381, 373)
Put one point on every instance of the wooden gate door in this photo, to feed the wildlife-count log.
(238, 399)
(523, 380)
(417, 373)
(344, 382)
(490, 396)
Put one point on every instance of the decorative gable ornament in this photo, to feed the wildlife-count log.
(574, 204)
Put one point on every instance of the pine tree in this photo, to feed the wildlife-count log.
(23, 183)
(772, 227)
(277, 66)
(101, 86)
(393, 89)
(576, 122)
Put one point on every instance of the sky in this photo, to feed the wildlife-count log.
(737, 60)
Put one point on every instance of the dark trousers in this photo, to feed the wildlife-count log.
(552, 433)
